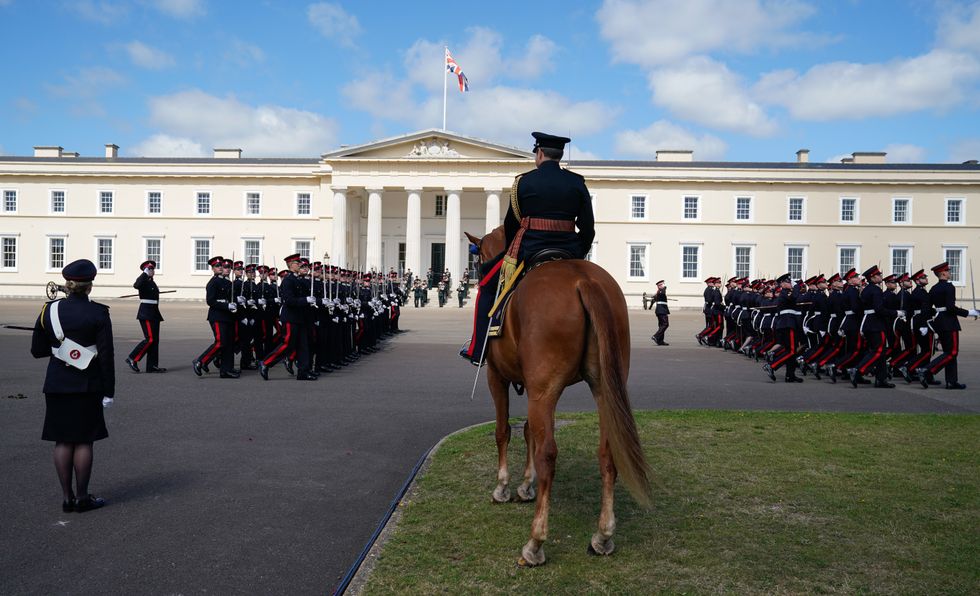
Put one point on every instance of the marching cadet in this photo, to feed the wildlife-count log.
(904, 336)
(662, 312)
(149, 317)
(922, 313)
(787, 323)
(442, 292)
(709, 311)
(294, 337)
(419, 293)
(942, 296)
(248, 325)
(874, 322)
(461, 292)
(222, 315)
(850, 327)
(75, 334)
(815, 325)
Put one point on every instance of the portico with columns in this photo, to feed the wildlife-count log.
(405, 202)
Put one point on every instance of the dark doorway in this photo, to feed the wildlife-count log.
(438, 258)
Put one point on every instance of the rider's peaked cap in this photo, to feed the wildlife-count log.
(542, 139)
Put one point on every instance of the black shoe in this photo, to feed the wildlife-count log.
(249, 367)
(264, 371)
(305, 377)
(230, 375)
(89, 503)
(288, 365)
(324, 369)
(237, 371)
(852, 373)
(768, 370)
(955, 386)
(934, 381)
(155, 369)
(793, 379)
(68, 506)
(816, 371)
(832, 372)
(924, 377)
(132, 365)
(196, 365)
(905, 374)
(206, 368)
(884, 385)
(663, 343)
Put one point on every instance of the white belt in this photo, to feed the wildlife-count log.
(789, 311)
(817, 312)
(869, 311)
(221, 301)
(848, 312)
(661, 302)
(916, 312)
(147, 301)
(940, 309)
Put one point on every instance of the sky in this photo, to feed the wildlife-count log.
(733, 80)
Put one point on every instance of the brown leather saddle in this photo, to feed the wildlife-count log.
(539, 258)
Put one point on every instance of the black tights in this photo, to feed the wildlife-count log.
(77, 458)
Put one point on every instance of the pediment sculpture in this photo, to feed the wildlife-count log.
(433, 148)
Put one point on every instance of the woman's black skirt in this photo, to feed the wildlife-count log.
(73, 418)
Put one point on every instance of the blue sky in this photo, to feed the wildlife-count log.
(746, 80)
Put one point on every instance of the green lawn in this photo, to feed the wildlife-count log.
(744, 502)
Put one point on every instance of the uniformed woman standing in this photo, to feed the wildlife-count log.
(75, 334)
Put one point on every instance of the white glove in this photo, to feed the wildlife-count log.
(841, 333)
(240, 299)
(262, 302)
(251, 302)
(335, 320)
(823, 333)
(311, 300)
(106, 402)
(232, 307)
(974, 313)
(901, 314)
(278, 301)
(923, 330)
(806, 329)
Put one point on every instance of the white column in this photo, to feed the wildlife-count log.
(493, 210)
(374, 230)
(453, 234)
(413, 232)
(338, 252)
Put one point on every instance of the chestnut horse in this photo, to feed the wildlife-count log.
(565, 323)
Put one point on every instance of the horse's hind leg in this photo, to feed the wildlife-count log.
(526, 492)
(541, 425)
(602, 543)
(499, 389)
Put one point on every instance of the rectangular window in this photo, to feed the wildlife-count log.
(690, 262)
(795, 211)
(104, 260)
(105, 201)
(848, 210)
(154, 251)
(253, 203)
(743, 261)
(900, 260)
(638, 261)
(440, 205)
(56, 252)
(8, 260)
(954, 211)
(691, 208)
(900, 211)
(639, 207)
(303, 248)
(953, 256)
(202, 253)
(796, 261)
(10, 201)
(303, 203)
(57, 201)
(253, 252)
(204, 203)
(847, 258)
(401, 259)
(154, 202)
(743, 209)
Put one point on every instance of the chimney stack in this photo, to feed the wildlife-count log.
(111, 151)
(47, 151)
(227, 153)
(675, 155)
(803, 156)
(873, 157)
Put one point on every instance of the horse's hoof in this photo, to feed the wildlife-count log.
(531, 559)
(501, 495)
(526, 495)
(599, 549)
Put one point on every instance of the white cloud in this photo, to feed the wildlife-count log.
(103, 12)
(905, 153)
(657, 32)
(573, 153)
(844, 90)
(180, 9)
(964, 149)
(959, 27)
(87, 83)
(162, 145)
(197, 118)
(334, 23)
(662, 134)
(383, 96)
(538, 58)
(145, 56)
(243, 53)
(707, 92)
(25, 108)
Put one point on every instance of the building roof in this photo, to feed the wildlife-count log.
(166, 160)
(777, 165)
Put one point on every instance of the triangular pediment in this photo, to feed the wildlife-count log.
(432, 144)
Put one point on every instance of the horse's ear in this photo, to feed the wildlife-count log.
(473, 239)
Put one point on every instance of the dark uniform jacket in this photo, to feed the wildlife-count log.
(943, 296)
(852, 304)
(86, 323)
(294, 304)
(148, 291)
(821, 304)
(876, 315)
(660, 303)
(835, 309)
(786, 309)
(921, 307)
(550, 192)
(218, 298)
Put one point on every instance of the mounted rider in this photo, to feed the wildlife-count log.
(546, 206)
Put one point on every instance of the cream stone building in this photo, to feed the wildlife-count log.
(405, 202)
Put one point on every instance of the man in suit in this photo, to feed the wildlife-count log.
(149, 317)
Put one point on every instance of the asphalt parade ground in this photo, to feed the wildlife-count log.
(245, 486)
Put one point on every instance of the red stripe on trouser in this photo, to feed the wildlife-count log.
(790, 350)
(215, 346)
(717, 327)
(853, 356)
(876, 357)
(837, 346)
(948, 356)
(925, 356)
(271, 358)
(146, 343)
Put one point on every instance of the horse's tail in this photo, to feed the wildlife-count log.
(615, 413)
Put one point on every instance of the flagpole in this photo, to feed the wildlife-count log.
(444, 86)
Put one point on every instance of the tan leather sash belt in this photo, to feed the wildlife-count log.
(538, 224)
